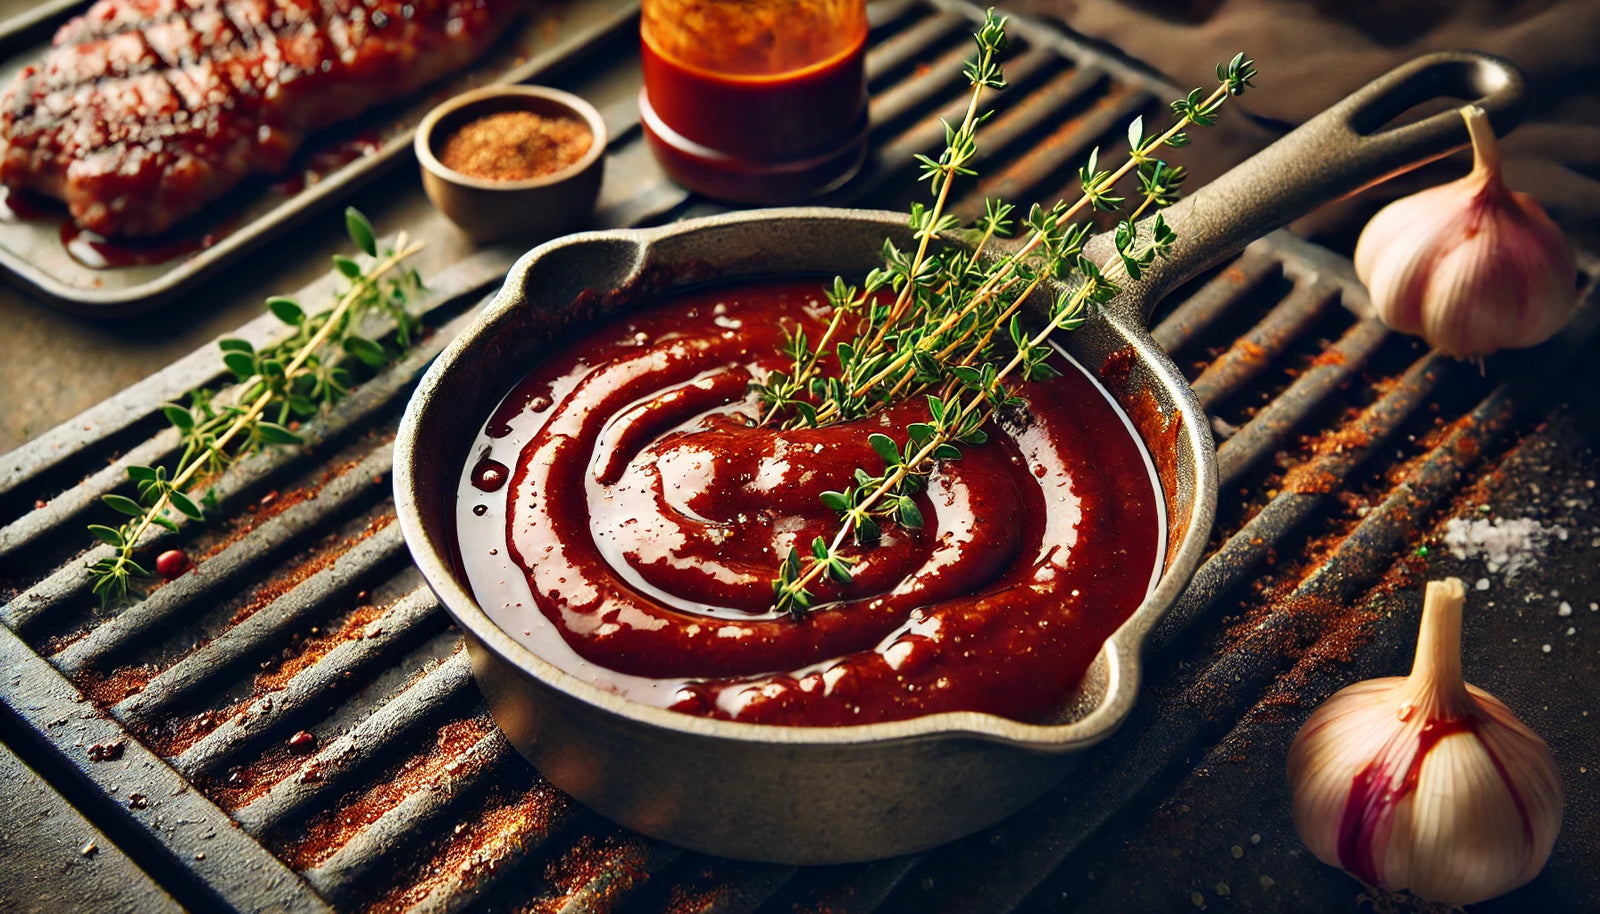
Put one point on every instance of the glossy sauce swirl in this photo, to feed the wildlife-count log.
(636, 540)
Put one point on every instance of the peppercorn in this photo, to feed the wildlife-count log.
(172, 563)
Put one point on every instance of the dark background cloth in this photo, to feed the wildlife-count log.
(1311, 53)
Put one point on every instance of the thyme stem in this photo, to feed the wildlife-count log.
(208, 431)
(940, 331)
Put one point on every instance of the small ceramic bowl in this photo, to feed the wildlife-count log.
(535, 208)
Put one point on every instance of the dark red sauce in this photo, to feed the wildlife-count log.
(20, 206)
(646, 516)
(322, 162)
(90, 249)
(98, 253)
(488, 474)
(756, 138)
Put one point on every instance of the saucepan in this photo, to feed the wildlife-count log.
(809, 795)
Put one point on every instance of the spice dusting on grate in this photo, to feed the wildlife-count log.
(336, 827)
(108, 689)
(323, 558)
(509, 822)
(245, 783)
(607, 866)
(267, 507)
(303, 653)
(174, 734)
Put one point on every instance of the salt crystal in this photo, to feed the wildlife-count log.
(1571, 630)
(1545, 648)
(1503, 544)
(1565, 609)
(1483, 584)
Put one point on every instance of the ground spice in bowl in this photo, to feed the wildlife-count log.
(512, 160)
(515, 146)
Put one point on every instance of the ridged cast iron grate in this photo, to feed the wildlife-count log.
(1340, 445)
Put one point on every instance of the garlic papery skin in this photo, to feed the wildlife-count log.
(1423, 782)
(1470, 266)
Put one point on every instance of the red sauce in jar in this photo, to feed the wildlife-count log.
(645, 517)
(756, 138)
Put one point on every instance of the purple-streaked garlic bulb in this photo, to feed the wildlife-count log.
(1470, 266)
(1424, 783)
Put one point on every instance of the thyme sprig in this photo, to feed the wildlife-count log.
(905, 274)
(278, 385)
(953, 331)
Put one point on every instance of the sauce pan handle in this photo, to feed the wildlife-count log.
(1339, 152)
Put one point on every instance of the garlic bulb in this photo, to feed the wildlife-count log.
(1471, 266)
(1423, 782)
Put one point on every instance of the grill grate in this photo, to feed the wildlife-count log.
(1340, 446)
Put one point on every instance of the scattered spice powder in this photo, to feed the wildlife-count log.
(516, 146)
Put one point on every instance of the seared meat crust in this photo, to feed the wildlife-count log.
(144, 111)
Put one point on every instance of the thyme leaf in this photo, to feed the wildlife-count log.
(952, 332)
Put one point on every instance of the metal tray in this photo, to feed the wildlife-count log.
(548, 36)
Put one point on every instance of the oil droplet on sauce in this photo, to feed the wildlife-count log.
(489, 474)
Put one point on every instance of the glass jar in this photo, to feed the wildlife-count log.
(755, 101)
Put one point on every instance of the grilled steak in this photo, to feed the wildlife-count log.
(144, 111)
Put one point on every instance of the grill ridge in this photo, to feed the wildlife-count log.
(258, 546)
(447, 685)
(250, 638)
